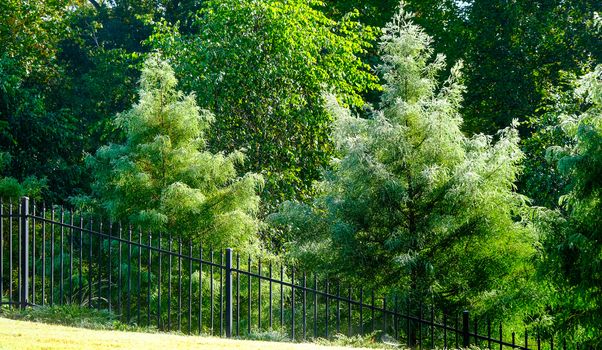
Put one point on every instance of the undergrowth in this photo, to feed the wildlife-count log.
(73, 316)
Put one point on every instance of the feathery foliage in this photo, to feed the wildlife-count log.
(163, 178)
(573, 244)
(412, 201)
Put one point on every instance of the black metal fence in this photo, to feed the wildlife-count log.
(49, 256)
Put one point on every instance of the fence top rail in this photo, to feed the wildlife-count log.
(125, 240)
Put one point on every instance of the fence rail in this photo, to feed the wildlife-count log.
(56, 257)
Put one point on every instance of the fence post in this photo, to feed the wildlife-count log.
(24, 258)
(465, 330)
(229, 292)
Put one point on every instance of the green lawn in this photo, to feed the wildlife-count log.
(30, 335)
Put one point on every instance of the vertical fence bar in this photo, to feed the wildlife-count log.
(513, 340)
(200, 288)
(81, 258)
(52, 256)
(456, 331)
(349, 311)
(433, 326)
(293, 304)
(327, 305)
(169, 260)
(179, 284)
(139, 290)
(465, 329)
(237, 294)
(229, 292)
(129, 276)
(304, 306)
(501, 336)
(90, 267)
(362, 310)
(158, 281)
(19, 250)
(110, 267)
(396, 332)
(281, 296)
(221, 292)
(43, 254)
(408, 325)
(211, 290)
(420, 324)
(148, 278)
(339, 306)
(259, 294)
(99, 269)
(190, 287)
(385, 314)
(62, 275)
(315, 306)
(270, 304)
(445, 331)
(33, 254)
(488, 334)
(24, 268)
(249, 296)
(2, 252)
(526, 339)
(372, 311)
(71, 233)
(10, 253)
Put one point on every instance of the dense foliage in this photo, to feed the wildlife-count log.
(163, 179)
(261, 67)
(412, 193)
(413, 202)
(573, 243)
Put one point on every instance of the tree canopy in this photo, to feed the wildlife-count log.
(412, 201)
(163, 178)
(261, 67)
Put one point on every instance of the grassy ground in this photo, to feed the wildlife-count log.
(30, 335)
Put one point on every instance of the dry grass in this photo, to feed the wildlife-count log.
(30, 336)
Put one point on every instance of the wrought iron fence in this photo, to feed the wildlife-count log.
(50, 256)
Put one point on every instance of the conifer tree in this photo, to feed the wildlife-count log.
(573, 233)
(412, 202)
(162, 177)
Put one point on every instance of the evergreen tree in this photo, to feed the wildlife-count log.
(573, 241)
(163, 178)
(412, 202)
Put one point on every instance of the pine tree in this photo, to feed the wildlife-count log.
(162, 177)
(412, 202)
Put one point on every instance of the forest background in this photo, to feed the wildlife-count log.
(327, 133)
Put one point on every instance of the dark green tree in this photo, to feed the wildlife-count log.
(514, 53)
(573, 233)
